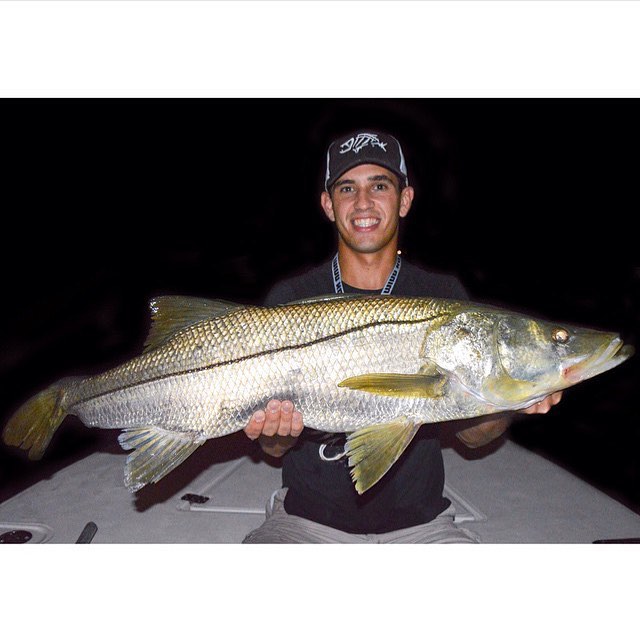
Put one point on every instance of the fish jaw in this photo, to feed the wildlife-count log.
(534, 359)
(606, 358)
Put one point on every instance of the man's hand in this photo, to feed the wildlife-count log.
(544, 406)
(277, 428)
(489, 428)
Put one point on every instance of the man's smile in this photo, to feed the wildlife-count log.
(365, 223)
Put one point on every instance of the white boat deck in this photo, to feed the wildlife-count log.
(509, 495)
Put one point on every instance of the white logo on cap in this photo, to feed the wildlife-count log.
(360, 141)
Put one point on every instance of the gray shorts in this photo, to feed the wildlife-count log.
(280, 527)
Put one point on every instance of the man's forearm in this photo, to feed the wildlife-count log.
(276, 446)
(485, 431)
(491, 427)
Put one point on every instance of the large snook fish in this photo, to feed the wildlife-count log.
(373, 367)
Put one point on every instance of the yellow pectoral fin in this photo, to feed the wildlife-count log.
(373, 450)
(416, 385)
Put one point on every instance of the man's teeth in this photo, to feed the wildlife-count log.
(365, 222)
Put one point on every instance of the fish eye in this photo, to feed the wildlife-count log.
(560, 335)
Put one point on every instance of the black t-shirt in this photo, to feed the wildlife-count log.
(410, 493)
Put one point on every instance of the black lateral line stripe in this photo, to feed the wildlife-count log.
(224, 363)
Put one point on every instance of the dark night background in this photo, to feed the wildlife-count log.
(107, 203)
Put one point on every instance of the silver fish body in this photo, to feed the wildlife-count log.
(374, 367)
(211, 377)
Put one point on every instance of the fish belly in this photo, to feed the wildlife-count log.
(187, 402)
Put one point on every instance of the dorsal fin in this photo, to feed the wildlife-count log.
(170, 314)
(329, 297)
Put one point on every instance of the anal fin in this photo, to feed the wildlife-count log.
(373, 450)
(156, 453)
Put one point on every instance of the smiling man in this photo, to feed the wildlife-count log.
(366, 195)
(366, 204)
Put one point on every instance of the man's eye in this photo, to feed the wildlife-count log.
(346, 189)
(380, 186)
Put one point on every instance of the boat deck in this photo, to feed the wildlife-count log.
(506, 495)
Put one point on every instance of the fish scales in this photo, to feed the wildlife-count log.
(212, 376)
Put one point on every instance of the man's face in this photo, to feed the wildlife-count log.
(366, 204)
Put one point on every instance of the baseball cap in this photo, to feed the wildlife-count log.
(365, 147)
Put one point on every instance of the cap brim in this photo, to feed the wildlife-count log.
(404, 180)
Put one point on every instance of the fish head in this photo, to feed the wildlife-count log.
(511, 361)
(535, 358)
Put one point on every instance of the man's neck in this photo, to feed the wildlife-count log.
(368, 271)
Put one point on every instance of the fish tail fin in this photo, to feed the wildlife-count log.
(32, 426)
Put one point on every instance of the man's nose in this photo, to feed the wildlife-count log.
(363, 199)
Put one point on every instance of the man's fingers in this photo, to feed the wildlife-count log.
(279, 418)
(549, 402)
(286, 414)
(254, 428)
(272, 420)
(556, 397)
(545, 405)
(296, 424)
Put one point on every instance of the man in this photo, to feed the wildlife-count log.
(366, 194)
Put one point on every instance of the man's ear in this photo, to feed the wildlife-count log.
(327, 205)
(406, 198)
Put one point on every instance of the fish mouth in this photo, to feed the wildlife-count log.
(607, 357)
